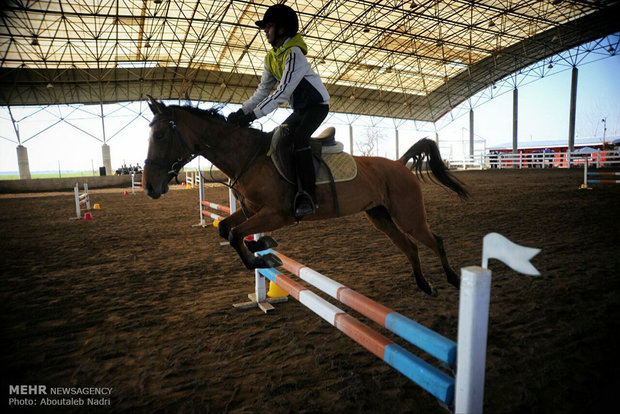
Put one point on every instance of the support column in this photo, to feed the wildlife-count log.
(351, 137)
(437, 138)
(471, 133)
(515, 120)
(573, 107)
(22, 162)
(107, 160)
(396, 140)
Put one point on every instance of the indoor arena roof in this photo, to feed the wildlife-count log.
(401, 59)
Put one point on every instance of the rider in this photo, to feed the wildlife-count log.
(300, 86)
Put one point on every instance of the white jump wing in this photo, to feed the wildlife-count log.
(496, 246)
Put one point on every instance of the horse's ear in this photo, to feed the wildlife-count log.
(156, 106)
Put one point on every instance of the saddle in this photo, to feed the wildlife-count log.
(331, 164)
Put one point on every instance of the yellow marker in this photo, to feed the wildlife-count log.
(97, 207)
(216, 223)
(276, 291)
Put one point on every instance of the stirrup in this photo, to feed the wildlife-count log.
(303, 204)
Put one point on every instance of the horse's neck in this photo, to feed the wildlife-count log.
(233, 149)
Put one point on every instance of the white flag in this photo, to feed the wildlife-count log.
(496, 246)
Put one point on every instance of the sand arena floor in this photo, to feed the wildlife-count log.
(140, 301)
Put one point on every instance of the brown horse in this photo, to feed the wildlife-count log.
(386, 190)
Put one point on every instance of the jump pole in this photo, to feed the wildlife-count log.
(466, 391)
(587, 174)
(202, 203)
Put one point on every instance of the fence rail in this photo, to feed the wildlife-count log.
(598, 159)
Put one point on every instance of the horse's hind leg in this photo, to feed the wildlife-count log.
(417, 227)
(381, 219)
(452, 276)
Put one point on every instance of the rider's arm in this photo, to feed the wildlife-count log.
(295, 68)
(267, 82)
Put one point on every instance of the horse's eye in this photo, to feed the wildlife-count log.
(159, 136)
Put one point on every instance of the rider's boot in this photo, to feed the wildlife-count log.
(304, 203)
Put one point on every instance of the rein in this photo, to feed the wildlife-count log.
(231, 186)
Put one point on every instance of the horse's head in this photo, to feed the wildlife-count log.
(168, 151)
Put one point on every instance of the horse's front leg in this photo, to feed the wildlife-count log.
(232, 221)
(229, 223)
(263, 221)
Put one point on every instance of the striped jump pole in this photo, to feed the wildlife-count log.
(465, 391)
(426, 339)
(592, 174)
(135, 184)
(81, 200)
(419, 371)
(204, 204)
(587, 180)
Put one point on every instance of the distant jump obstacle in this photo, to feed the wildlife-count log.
(464, 391)
(82, 201)
(135, 184)
(192, 178)
(587, 174)
(204, 204)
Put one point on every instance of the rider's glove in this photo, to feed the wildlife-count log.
(241, 119)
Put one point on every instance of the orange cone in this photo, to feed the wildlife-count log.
(88, 216)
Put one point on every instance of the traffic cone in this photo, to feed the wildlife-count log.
(88, 216)
(97, 207)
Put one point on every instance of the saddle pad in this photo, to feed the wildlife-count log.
(342, 165)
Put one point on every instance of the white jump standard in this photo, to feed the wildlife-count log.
(135, 184)
(82, 201)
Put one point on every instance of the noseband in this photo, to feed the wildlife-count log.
(175, 167)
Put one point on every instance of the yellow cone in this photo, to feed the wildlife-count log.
(216, 223)
(97, 207)
(276, 291)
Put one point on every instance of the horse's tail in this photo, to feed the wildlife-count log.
(427, 149)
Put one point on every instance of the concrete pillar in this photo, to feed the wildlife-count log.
(471, 133)
(573, 107)
(396, 139)
(22, 162)
(515, 120)
(107, 160)
(351, 137)
(437, 138)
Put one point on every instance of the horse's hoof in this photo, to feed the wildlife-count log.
(268, 261)
(264, 243)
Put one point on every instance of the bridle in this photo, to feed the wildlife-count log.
(175, 167)
(176, 138)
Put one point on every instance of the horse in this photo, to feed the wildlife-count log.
(386, 190)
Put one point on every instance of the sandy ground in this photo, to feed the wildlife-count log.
(140, 301)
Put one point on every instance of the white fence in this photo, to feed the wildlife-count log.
(598, 159)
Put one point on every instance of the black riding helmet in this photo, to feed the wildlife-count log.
(282, 16)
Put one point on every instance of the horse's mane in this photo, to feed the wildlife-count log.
(213, 112)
